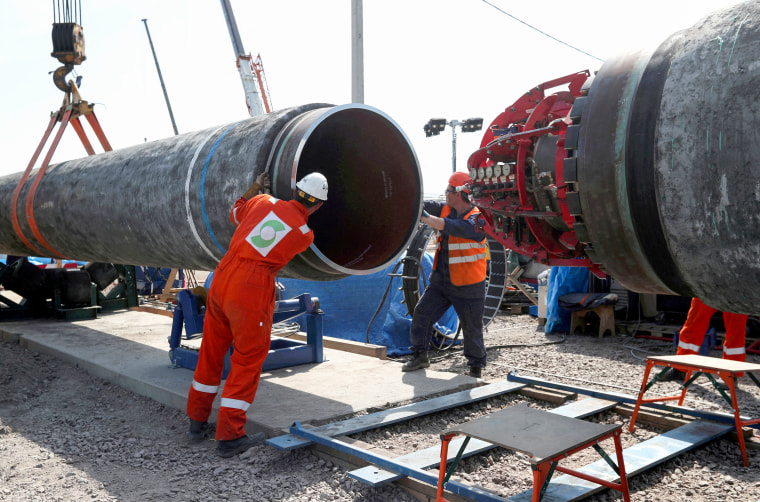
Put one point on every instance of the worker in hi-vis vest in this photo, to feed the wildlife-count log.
(458, 278)
(240, 306)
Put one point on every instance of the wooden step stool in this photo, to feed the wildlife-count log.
(606, 314)
(547, 438)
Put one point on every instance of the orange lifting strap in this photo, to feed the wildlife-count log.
(72, 108)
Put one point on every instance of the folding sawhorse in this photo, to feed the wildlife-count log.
(726, 369)
(546, 438)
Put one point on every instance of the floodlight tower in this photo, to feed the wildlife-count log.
(435, 126)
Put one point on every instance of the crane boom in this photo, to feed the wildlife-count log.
(258, 68)
(244, 63)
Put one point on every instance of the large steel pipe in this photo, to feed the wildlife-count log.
(167, 203)
(668, 156)
(647, 171)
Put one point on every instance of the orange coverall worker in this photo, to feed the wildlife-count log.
(240, 308)
(697, 322)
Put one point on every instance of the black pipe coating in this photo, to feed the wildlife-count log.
(668, 173)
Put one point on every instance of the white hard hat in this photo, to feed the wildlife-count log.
(314, 184)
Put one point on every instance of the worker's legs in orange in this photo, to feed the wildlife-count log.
(249, 308)
(215, 344)
(693, 332)
(734, 344)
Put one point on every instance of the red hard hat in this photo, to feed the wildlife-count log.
(458, 180)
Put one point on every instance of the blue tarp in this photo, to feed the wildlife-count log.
(349, 305)
(562, 280)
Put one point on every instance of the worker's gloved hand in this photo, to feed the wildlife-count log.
(425, 214)
(263, 181)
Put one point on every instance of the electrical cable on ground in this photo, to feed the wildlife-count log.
(444, 338)
(646, 350)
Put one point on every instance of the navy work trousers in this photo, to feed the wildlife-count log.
(468, 303)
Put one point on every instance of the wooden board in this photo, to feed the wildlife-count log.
(710, 363)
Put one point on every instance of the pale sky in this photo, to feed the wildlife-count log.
(423, 59)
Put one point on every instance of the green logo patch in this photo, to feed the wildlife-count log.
(268, 233)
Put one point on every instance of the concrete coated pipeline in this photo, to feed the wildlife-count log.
(669, 163)
(167, 203)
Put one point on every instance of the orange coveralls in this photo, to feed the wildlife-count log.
(240, 308)
(697, 322)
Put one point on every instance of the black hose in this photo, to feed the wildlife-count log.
(382, 301)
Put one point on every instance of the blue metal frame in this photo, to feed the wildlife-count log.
(624, 398)
(472, 492)
(390, 416)
(565, 488)
(283, 352)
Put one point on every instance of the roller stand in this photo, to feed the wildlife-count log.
(283, 352)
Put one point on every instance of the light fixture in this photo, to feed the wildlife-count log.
(434, 127)
(472, 125)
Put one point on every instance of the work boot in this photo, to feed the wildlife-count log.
(418, 361)
(475, 371)
(198, 430)
(232, 447)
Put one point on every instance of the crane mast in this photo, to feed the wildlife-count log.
(251, 73)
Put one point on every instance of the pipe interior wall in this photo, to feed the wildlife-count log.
(375, 186)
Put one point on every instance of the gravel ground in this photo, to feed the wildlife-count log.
(65, 435)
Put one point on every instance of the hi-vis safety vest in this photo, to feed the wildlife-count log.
(467, 258)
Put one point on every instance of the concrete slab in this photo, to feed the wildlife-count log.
(131, 349)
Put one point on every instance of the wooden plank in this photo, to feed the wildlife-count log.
(167, 293)
(365, 349)
(638, 458)
(153, 310)
(514, 278)
(709, 363)
(431, 457)
(553, 396)
(523, 289)
(391, 416)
